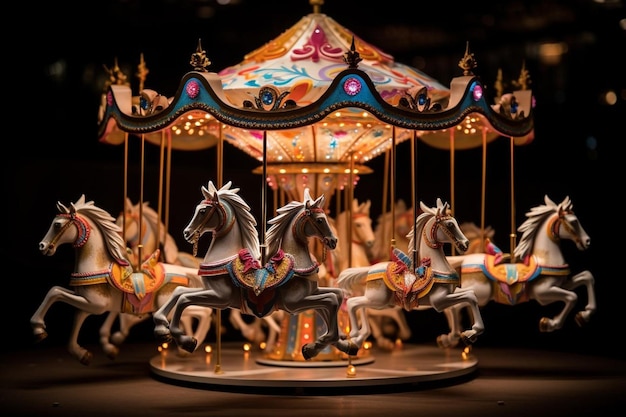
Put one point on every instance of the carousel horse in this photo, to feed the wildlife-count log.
(151, 226)
(104, 279)
(234, 276)
(362, 241)
(542, 275)
(427, 282)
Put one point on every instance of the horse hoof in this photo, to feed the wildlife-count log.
(580, 319)
(469, 340)
(544, 325)
(86, 358)
(353, 349)
(41, 336)
(190, 345)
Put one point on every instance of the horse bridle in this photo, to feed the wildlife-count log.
(555, 223)
(431, 238)
(82, 227)
(225, 226)
(304, 218)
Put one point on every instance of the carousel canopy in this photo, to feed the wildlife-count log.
(318, 98)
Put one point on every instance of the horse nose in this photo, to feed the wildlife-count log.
(331, 242)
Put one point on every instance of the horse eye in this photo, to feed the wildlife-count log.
(58, 225)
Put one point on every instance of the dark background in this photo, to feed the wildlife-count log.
(52, 151)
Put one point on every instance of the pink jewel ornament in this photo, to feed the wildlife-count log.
(192, 89)
(352, 86)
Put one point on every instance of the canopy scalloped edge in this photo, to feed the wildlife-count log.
(201, 91)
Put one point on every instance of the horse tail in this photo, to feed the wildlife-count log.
(352, 279)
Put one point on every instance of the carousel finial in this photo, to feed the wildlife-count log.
(142, 72)
(317, 5)
(199, 60)
(467, 63)
(352, 57)
(116, 76)
(523, 81)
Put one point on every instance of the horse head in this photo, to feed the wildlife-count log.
(362, 231)
(444, 227)
(210, 215)
(313, 221)
(567, 225)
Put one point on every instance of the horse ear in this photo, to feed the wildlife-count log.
(424, 207)
(212, 188)
(62, 208)
(548, 201)
(72, 208)
(307, 195)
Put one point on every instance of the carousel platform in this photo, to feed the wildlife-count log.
(410, 366)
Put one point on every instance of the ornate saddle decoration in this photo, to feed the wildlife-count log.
(407, 286)
(509, 279)
(139, 287)
(260, 282)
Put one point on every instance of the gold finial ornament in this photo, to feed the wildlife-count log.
(352, 57)
(467, 63)
(116, 76)
(142, 72)
(523, 81)
(317, 5)
(199, 60)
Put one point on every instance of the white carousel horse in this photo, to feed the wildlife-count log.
(151, 226)
(428, 282)
(363, 240)
(542, 275)
(234, 278)
(104, 280)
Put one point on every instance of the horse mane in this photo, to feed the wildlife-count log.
(535, 217)
(283, 220)
(247, 222)
(112, 233)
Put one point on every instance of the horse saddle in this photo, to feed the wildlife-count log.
(407, 286)
(508, 273)
(147, 280)
(248, 273)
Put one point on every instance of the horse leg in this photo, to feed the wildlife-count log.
(83, 355)
(584, 278)
(359, 329)
(326, 302)
(273, 329)
(202, 317)
(251, 332)
(371, 323)
(127, 322)
(109, 348)
(193, 297)
(546, 293)
(160, 316)
(451, 339)
(442, 298)
(37, 322)
(84, 308)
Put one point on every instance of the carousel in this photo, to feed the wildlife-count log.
(314, 107)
